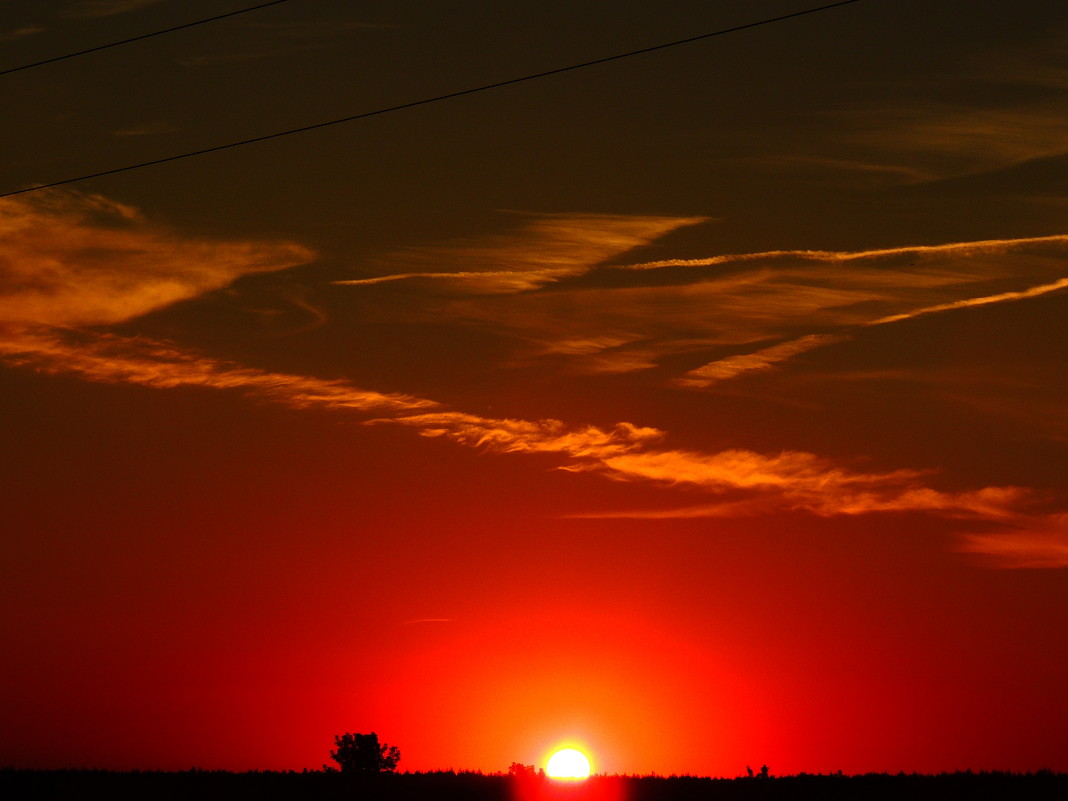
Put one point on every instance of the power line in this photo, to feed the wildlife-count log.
(64, 57)
(428, 100)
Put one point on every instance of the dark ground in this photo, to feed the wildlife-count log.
(197, 785)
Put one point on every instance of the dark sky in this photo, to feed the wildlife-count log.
(699, 409)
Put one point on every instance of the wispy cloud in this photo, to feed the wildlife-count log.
(68, 261)
(489, 281)
(21, 33)
(628, 317)
(976, 247)
(71, 264)
(742, 483)
(108, 358)
(978, 117)
(1042, 544)
(547, 248)
(767, 358)
(738, 482)
(71, 259)
(803, 481)
(984, 300)
(551, 285)
(764, 359)
(947, 141)
(526, 436)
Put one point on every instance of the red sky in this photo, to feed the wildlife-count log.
(701, 409)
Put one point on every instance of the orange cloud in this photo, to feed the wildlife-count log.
(112, 359)
(764, 359)
(71, 259)
(525, 436)
(1001, 297)
(790, 480)
(602, 319)
(1043, 544)
(599, 318)
(624, 318)
(976, 247)
(932, 270)
(957, 141)
(924, 137)
(804, 481)
(21, 33)
(547, 248)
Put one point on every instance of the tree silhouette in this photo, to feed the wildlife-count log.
(362, 753)
(521, 771)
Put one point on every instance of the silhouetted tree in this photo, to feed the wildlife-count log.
(362, 753)
(521, 771)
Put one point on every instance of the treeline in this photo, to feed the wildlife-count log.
(201, 785)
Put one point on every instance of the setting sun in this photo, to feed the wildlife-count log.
(568, 763)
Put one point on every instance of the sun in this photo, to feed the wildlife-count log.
(568, 763)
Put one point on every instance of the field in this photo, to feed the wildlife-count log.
(445, 786)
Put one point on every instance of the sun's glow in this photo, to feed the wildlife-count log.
(568, 763)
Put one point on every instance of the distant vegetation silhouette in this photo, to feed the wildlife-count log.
(362, 754)
(385, 785)
(520, 771)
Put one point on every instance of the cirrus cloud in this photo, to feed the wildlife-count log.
(1042, 543)
(70, 259)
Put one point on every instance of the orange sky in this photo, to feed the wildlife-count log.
(703, 409)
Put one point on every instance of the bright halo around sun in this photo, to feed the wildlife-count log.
(568, 763)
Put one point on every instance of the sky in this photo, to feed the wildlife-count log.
(700, 409)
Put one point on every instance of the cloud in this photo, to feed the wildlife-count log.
(108, 358)
(764, 359)
(862, 172)
(69, 259)
(525, 436)
(1003, 113)
(547, 248)
(742, 482)
(1043, 544)
(1001, 297)
(629, 317)
(951, 141)
(550, 289)
(978, 117)
(971, 248)
(21, 33)
(803, 481)
(767, 358)
(489, 281)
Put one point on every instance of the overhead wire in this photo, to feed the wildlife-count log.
(429, 100)
(139, 38)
